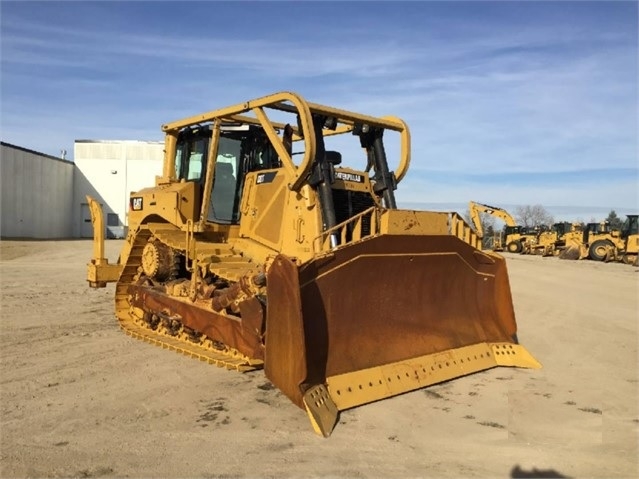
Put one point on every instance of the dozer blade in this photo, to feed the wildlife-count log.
(385, 316)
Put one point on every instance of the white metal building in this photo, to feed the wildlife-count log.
(45, 197)
(109, 171)
(36, 194)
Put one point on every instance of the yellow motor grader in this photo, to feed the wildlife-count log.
(259, 248)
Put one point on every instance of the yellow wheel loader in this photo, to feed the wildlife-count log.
(595, 241)
(601, 241)
(626, 249)
(258, 247)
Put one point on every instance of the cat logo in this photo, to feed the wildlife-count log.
(136, 204)
(265, 177)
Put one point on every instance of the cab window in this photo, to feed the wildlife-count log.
(225, 196)
(197, 154)
(190, 155)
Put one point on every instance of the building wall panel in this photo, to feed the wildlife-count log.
(109, 172)
(36, 194)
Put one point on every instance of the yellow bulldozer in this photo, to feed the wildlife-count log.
(258, 248)
(514, 238)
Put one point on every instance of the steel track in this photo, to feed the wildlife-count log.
(133, 325)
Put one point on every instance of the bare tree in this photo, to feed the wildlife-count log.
(533, 215)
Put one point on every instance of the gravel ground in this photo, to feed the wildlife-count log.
(80, 398)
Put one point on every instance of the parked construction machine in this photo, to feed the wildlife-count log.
(513, 237)
(595, 241)
(627, 248)
(599, 240)
(563, 239)
(258, 248)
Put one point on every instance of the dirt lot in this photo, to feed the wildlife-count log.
(80, 398)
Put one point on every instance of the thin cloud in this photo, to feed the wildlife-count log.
(273, 58)
(493, 92)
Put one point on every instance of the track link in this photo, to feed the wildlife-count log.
(131, 321)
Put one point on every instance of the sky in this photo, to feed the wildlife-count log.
(508, 103)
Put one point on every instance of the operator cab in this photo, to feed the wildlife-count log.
(244, 148)
(241, 149)
(630, 226)
(514, 230)
(561, 229)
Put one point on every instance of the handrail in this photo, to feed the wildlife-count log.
(322, 242)
(457, 227)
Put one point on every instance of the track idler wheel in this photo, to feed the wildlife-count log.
(158, 261)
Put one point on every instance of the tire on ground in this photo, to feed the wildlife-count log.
(598, 250)
(514, 247)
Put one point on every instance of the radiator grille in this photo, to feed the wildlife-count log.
(348, 204)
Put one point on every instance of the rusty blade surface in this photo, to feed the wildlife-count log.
(380, 301)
